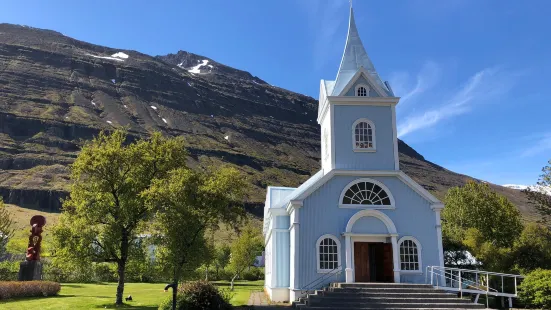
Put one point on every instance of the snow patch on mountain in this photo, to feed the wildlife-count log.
(107, 57)
(120, 55)
(197, 69)
(539, 188)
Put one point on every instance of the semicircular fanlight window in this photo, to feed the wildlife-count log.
(366, 193)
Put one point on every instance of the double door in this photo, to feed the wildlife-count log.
(373, 262)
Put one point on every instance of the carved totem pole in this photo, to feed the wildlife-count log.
(31, 268)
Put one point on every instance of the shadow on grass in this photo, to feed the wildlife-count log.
(71, 285)
(238, 284)
(127, 306)
(2, 301)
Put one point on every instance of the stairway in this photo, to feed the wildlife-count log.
(383, 296)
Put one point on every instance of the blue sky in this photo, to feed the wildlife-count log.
(473, 74)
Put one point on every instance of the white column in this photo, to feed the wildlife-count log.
(349, 270)
(295, 252)
(395, 259)
(439, 236)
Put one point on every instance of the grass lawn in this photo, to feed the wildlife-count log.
(102, 296)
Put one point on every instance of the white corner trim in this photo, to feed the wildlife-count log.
(395, 138)
(380, 184)
(367, 88)
(419, 253)
(439, 237)
(437, 206)
(373, 135)
(339, 264)
(332, 134)
(374, 213)
(369, 79)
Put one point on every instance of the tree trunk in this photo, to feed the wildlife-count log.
(122, 266)
(233, 279)
(120, 286)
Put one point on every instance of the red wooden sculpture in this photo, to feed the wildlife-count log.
(33, 249)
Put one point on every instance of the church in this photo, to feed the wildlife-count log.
(359, 219)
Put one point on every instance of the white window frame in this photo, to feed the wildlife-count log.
(320, 239)
(374, 207)
(373, 136)
(419, 254)
(358, 87)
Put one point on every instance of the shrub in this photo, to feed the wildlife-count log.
(199, 295)
(535, 290)
(105, 272)
(14, 289)
(9, 270)
(253, 274)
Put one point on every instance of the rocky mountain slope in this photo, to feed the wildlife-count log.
(56, 91)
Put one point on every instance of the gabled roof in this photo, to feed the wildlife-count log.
(353, 58)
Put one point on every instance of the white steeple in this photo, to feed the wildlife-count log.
(353, 58)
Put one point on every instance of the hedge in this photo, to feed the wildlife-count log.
(535, 289)
(15, 289)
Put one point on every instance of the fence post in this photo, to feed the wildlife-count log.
(487, 289)
(460, 284)
(432, 273)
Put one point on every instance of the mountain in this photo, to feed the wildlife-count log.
(538, 188)
(56, 92)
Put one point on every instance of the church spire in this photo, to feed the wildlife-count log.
(353, 58)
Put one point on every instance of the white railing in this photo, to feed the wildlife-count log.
(477, 282)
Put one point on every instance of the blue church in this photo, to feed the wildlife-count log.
(359, 219)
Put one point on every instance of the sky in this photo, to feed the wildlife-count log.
(473, 75)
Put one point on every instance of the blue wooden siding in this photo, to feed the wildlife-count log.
(345, 157)
(369, 225)
(321, 215)
(361, 80)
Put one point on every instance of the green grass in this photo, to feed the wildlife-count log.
(102, 296)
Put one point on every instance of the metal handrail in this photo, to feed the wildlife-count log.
(335, 271)
(475, 287)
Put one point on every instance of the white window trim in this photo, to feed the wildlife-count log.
(320, 239)
(358, 87)
(419, 255)
(374, 207)
(373, 136)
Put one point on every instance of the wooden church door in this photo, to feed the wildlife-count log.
(373, 262)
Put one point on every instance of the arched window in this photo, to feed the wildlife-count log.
(410, 254)
(361, 91)
(328, 254)
(367, 192)
(363, 135)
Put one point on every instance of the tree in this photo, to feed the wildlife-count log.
(532, 250)
(540, 195)
(6, 227)
(476, 206)
(106, 207)
(244, 251)
(189, 203)
(221, 257)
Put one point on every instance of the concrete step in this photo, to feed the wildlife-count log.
(380, 285)
(428, 294)
(358, 290)
(377, 300)
(394, 306)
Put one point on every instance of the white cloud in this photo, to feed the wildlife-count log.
(481, 87)
(426, 79)
(541, 144)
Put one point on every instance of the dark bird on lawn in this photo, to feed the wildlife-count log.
(129, 298)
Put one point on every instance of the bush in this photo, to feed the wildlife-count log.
(535, 290)
(253, 275)
(9, 270)
(14, 289)
(105, 272)
(199, 295)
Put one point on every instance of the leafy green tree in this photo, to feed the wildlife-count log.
(189, 203)
(221, 257)
(107, 208)
(476, 206)
(244, 251)
(6, 227)
(542, 199)
(532, 250)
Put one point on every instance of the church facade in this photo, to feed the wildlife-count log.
(359, 219)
